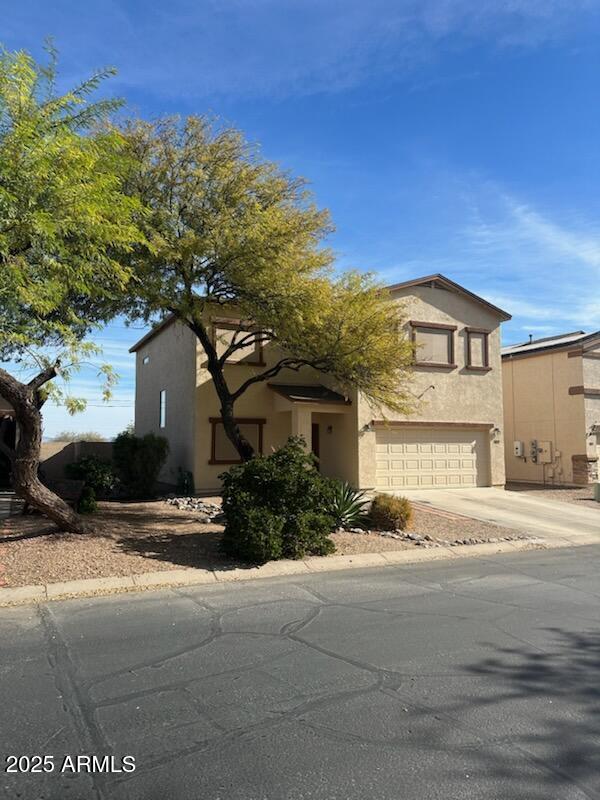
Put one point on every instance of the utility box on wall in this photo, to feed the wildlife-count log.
(518, 449)
(545, 452)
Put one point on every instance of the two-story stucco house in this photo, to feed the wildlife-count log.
(552, 409)
(453, 438)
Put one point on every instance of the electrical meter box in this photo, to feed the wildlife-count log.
(545, 452)
(533, 450)
(518, 449)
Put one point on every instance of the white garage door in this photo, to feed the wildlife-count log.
(431, 458)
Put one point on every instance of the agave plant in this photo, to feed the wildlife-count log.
(348, 506)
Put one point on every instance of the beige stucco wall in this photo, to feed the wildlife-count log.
(537, 405)
(338, 448)
(171, 367)
(54, 456)
(591, 380)
(441, 395)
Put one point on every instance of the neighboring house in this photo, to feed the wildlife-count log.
(552, 409)
(453, 438)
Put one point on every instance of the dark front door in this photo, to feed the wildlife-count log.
(8, 432)
(315, 440)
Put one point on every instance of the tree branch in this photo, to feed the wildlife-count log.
(43, 377)
(252, 337)
(286, 363)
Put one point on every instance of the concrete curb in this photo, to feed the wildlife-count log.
(93, 587)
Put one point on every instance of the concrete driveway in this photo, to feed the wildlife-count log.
(542, 517)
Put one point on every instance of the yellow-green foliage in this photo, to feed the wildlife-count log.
(226, 226)
(389, 513)
(66, 225)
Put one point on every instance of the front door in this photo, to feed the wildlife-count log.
(8, 435)
(315, 441)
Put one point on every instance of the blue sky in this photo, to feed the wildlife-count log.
(454, 136)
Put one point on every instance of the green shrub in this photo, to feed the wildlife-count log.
(293, 499)
(347, 505)
(87, 502)
(138, 461)
(390, 513)
(254, 534)
(98, 475)
(308, 533)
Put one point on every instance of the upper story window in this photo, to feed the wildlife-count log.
(162, 409)
(146, 360)
(434, 344)
(478, 349)
(224, 334)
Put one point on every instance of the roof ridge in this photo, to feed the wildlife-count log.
(548, 338)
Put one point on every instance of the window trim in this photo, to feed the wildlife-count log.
(162, 408)
(235, 325)
(441, 326)
(214, 421)
(486, 350)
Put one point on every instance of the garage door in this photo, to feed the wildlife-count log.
(431, 458)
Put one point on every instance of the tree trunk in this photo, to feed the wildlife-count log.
(232, 431)
(235, 436)
(25, 459)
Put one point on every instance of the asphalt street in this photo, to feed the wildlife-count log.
(465, 678)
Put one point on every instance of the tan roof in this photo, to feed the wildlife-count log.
(446, 283)
(308, 394)
(160, 326)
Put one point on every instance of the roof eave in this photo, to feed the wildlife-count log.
(504, 315)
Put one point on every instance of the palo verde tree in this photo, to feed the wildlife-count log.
(64, 225)
(230, 229)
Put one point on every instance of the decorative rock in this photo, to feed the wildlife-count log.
(208, 512)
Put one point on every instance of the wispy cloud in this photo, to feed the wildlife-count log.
(541, 265)
(192, 49)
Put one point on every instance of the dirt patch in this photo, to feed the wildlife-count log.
(583, 497)
(133, 538)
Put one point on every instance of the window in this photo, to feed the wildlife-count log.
(222, 451)
(223, 333)
(146, 360)
(434, 344)
(162, 412)
(477, 349)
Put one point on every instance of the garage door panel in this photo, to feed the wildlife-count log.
(433, 458)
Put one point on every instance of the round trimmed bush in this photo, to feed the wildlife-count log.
(390, 513)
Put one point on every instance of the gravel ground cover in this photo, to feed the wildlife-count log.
(581, 496)
(133, 538)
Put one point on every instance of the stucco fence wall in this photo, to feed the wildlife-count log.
(54, 456)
